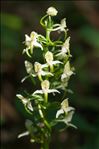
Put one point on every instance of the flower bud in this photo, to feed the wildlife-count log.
(51, 11)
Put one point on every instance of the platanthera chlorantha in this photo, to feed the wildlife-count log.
(52, 75)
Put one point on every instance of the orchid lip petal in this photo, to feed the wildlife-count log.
(23, 134)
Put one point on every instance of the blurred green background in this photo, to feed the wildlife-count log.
(19, 18)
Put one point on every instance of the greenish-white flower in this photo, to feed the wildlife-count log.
(67, 72)
(31, 42)
(29, 69)
(29, 126)
(65, 49)
(51, 11)
(50, 59)
(67, 113)
(39, 70)
(60, 27)
(26, 102)
(45, 85)
(64, 108)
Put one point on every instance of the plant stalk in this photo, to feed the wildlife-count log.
(45, 145)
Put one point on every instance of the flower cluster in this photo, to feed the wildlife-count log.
(53, 74)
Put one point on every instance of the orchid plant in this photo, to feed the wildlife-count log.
(53, 76)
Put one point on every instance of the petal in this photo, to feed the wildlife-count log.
(53, 91)
(68, 109)
(66, 44)
(59, 54)
(24, 100)
(23, 134)
(36, 44)
(68, 117)
(56, 25)
(44, 65)
(38, 92)
(69, 73)
(29, 106)
(44, 73)
(27, 38)
(65, 104)
(56, 62)
(24, 78)
(72, 125)
(64, 50)
(33, 75)
(27, 51)
(63, 76)
(59, 112)
(63, 22)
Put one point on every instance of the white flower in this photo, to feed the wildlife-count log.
(50, 60)
(66, 45)
(26, 102)
(45, 88)
(68, 111)
(39, 70)
(60, 27)
(51, 11)
(29, 69)
(67, 72)
(29, 126)
(31, 42)
(64, 108)
(65, 49)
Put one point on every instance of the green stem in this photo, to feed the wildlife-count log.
(46, 97)
(47, 34)
(51, 68)
(40, 78)
(42, 20)
(42, 116)
(45, 145)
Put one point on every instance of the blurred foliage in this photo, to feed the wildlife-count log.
(85, 50)
(10, 28)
